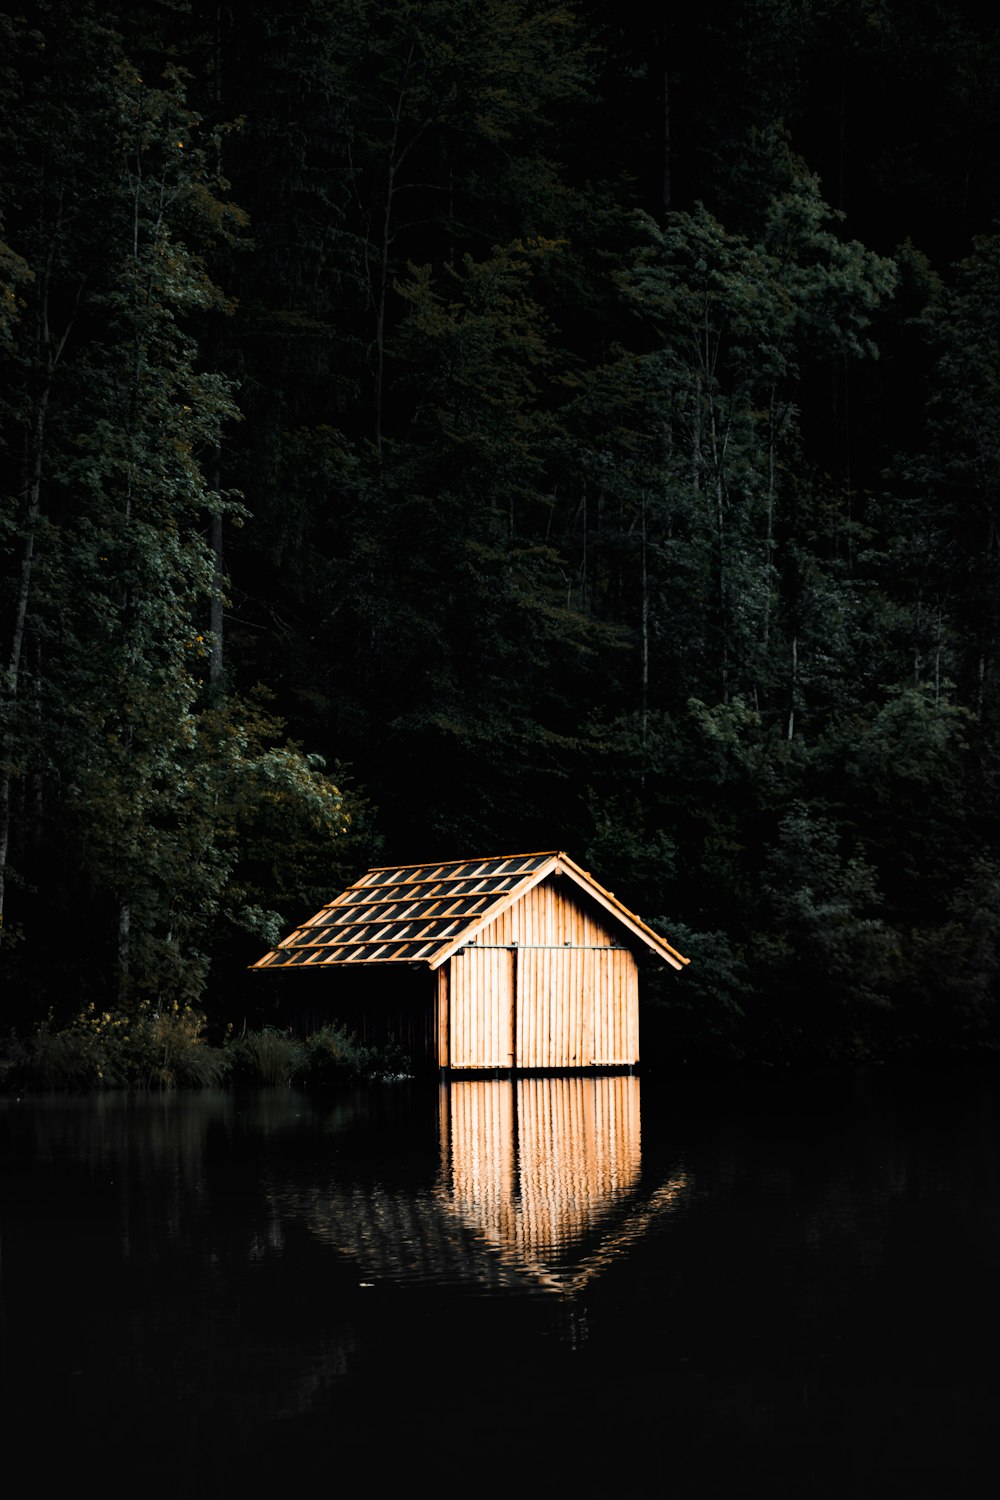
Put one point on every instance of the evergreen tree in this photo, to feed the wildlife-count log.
(118, 783)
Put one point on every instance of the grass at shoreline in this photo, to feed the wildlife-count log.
(162, 1047)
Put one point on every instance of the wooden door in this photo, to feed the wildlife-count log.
(576, 1007)
(481, 1008)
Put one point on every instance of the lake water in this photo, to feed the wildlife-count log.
(666, 1286)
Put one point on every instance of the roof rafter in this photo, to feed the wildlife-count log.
(396, 913)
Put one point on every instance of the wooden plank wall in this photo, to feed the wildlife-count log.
(482, 1008)
(577, 1008)
(550, 914)
(576, 993)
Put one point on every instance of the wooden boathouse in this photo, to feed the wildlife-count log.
(526, 961)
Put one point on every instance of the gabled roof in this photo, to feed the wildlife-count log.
(423, 913)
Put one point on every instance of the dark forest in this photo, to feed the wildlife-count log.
(457, 427)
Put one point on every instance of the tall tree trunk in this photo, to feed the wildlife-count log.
(216, 659)
(124, 946)
(33, 466)
(644, 699)
(769, 533)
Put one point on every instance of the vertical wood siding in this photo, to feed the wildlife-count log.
(443, 1009)
(542, 987)
(547, 914)
(577, 1008)
(482, 1008)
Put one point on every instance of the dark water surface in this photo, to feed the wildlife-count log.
(694, 1287)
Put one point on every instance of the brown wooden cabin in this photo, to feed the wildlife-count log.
(531, 963)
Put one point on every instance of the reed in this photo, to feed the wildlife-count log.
(165, 1047)
(152, 1046)
(265, 1058)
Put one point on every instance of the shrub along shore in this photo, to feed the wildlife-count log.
(167, 1046)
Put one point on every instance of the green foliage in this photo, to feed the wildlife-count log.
(823, 941)
(566, 454)
(265, 1058)
(948, 994)
(629, 858)
(148, 1047)
(165, 1048)
(333, 1056)
(915, 740)
(737, 320)
(701, 1013)
(166, 792)
(15, 274)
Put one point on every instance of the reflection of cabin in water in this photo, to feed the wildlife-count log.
(532, 963)
(547, 1172)
(540, 1187)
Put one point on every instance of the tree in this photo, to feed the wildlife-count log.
(124, 769)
